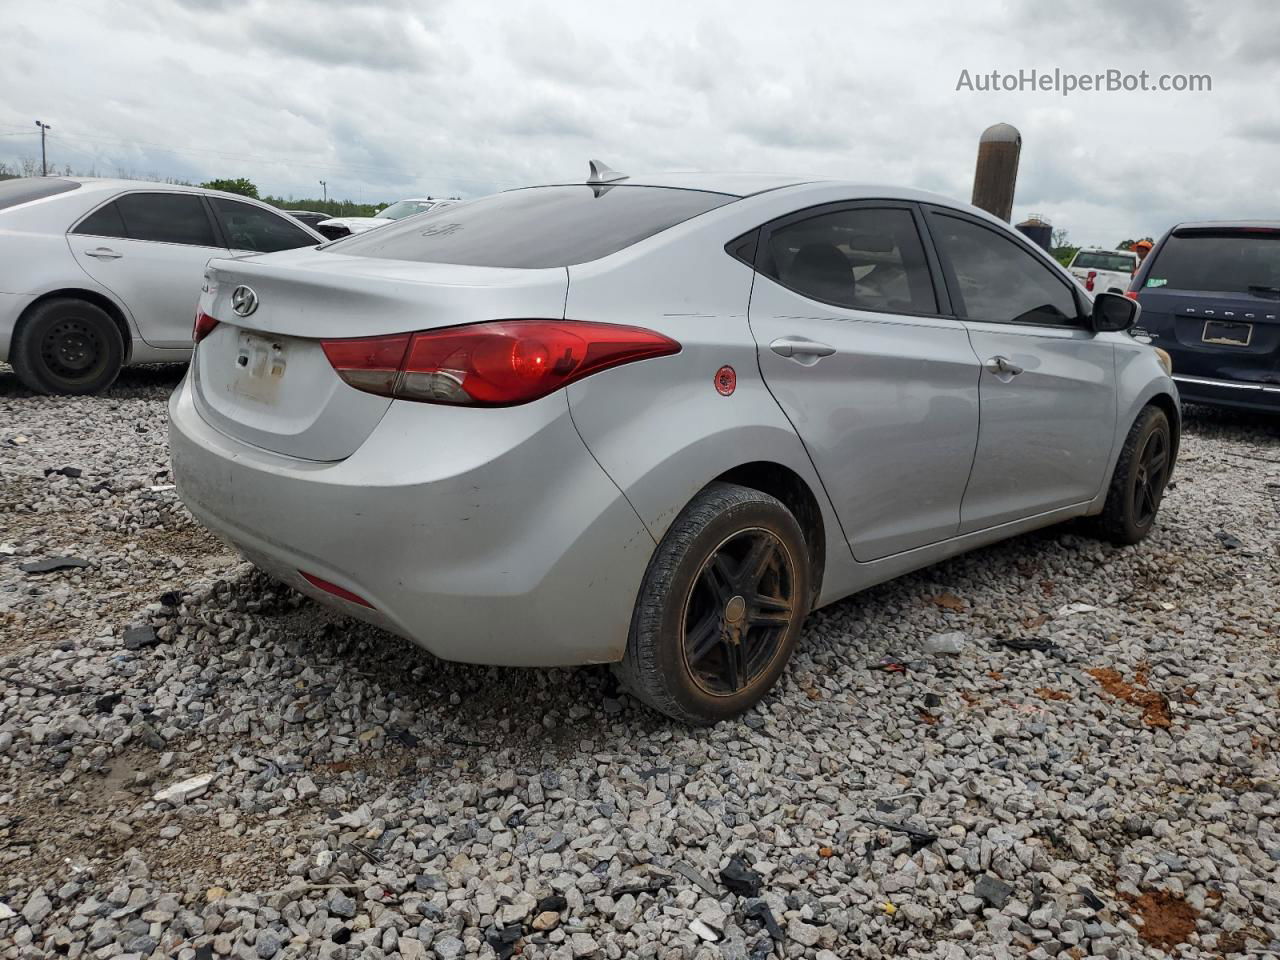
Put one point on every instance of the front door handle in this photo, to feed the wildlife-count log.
(1003, 367)
(801, 348)
(103, 253)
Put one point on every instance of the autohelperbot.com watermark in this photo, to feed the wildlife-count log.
(1065, 82)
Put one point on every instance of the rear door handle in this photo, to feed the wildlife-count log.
(103, 253)
(1003, 367)
(801, 348)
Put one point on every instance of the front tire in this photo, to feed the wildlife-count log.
(67, 346)
(1137, 486)
(721, 606)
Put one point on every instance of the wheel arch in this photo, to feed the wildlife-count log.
(99, 300)
(796, 495)
(1169, 405)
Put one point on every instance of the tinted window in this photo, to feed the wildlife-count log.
(537, 227)
(251, 228)
(1222, 261)
(999, 280)
(166, 218)
(863, 259)
(25, 189)
(1101, 260)
(103, 222)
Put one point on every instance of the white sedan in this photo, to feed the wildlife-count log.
(98, 274)
(390, 214)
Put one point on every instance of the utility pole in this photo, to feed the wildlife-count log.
(325, 186)
(44, 163)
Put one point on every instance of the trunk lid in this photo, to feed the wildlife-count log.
(264, 378)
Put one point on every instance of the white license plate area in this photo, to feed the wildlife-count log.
(259, 367)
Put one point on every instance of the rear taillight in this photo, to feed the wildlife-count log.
(1131, 294)
(497, 364)
(203, 327)
(1088, 280)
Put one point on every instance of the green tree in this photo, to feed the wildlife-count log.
(246, 188)
(1062, 250)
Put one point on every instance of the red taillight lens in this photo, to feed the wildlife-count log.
(1088, 280)
(496, 364)
(371, 363)
(1131, 294)
(203, 327)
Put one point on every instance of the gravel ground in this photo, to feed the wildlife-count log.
(1115, 794)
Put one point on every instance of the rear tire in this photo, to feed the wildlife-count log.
(1137, 486)
(721, 606)
(67, 346)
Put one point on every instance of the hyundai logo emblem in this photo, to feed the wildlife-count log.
(243, 301)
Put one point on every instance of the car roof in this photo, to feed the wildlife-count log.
(116, 184)
(1228, 225)
(751, 184)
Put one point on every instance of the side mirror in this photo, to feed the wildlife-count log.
(1113, 313)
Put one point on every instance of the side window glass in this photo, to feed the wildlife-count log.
(251, 228)
(166, 218)
(999, 281)
(104, 222)
(864, 259)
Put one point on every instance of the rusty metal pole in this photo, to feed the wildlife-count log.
(996, 175)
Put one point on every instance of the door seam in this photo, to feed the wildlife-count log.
(803, 446)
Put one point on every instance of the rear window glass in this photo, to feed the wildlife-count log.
(167, 218)
(104, 222)
(537, 227)
(26, 189)
(1221, 261)
(1100, 260)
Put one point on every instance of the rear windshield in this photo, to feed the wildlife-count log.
(1222, 261)
(26, 189)
(1100, 260)
(536, 227)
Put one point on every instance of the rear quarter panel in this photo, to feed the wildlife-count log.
(659, 427)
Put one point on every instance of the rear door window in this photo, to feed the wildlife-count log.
(536, 227)
(26, 189)
(104, 222)
(1219, 261)
(1101, 260)
(247, 227)
(863, 259)
(167, 218)
(998, 280)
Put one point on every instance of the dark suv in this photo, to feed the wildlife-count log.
(1210, 295)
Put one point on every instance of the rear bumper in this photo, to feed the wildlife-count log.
(499, 540)
(1240, 394)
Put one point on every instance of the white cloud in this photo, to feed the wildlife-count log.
(387, 98)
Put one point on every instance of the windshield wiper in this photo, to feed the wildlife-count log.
(1262, 288)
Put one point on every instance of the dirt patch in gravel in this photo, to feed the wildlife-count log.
(1166, 920)
(1154, 706)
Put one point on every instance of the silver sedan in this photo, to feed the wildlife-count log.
(655, 421)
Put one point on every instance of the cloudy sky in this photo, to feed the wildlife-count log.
(391, 98)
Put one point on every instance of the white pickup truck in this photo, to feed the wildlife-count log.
(1104, 271)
